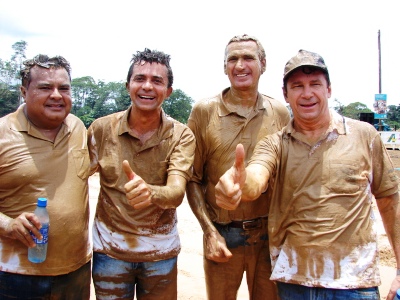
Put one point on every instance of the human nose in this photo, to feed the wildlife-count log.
(239, 64)
(147, 85)
(307, 92)
(56, 94)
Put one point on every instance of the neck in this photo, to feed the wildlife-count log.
(241, 102)
(312, 132)
(246, 98)
(144, 125)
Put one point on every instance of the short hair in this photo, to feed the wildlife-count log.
(43, 61)
(245, 38)
(151, 56)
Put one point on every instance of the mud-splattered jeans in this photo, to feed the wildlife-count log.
(118, 279)
(299, 292)
(74, 285)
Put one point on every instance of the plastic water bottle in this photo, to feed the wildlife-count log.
(397, 297)
(38, 253)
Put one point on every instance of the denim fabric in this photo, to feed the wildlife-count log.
(299, 292)
(118, 279)
(74, 285)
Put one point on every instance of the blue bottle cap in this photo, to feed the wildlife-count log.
(42, 202)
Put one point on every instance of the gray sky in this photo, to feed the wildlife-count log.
(99, 39)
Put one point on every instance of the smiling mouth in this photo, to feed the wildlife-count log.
(146, 97)
(55, 105)
(308, 105)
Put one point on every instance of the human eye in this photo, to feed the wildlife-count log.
(249, 57)
(296, 86)
(138, 78)
(158, 80)
(65, 87)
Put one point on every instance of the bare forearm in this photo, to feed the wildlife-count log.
(166, 196)
(4, 224)
(196, 199)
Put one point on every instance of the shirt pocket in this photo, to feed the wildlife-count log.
(81, 162)
(344, 177)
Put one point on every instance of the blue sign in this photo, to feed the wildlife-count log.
(380, 97)
(380, 116)
(380, 108)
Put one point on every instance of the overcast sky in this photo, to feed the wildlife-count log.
(99, 39)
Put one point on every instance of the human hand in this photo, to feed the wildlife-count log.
(393, 288)
(215, 247)
(228, 191)
(137, 192)
(20, 228)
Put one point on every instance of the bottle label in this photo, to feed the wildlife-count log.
(45, 233)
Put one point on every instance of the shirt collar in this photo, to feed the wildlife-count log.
(22, 123)
(337, 122)
(223, 109)
(164, 131)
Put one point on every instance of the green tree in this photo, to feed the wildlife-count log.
(393, 116)
(353, 110)
(92, 100)
(178, 106)
(338, 106)
(10, 79)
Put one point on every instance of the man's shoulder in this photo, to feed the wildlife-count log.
(108, 119)
(207, 103)
(273, 101)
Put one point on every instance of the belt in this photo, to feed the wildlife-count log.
(247, 224)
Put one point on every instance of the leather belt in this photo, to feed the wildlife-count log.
(247, 224)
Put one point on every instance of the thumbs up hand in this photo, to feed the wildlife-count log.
(228, 191)
(137, 191)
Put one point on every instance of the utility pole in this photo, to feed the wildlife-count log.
(379, 53)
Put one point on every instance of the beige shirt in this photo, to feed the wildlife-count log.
(218, 130)
(322, 228)
(119, 230)
(31, 166)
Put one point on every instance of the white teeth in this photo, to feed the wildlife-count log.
(241, 75)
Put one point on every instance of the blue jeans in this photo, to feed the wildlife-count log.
(117, 279)
(74, 285)
(289, 291)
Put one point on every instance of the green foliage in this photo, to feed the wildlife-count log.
(393, 116)
(352, 110)
(10, 79)
(93, 100)
(178, 106)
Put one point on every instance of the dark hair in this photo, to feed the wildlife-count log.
(245, 38)
(307, 70)
(151, 56)
(43, 61)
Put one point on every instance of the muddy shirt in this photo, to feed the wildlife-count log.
(322, 228)
(31, 166)
(218, 130)
(119, 230)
